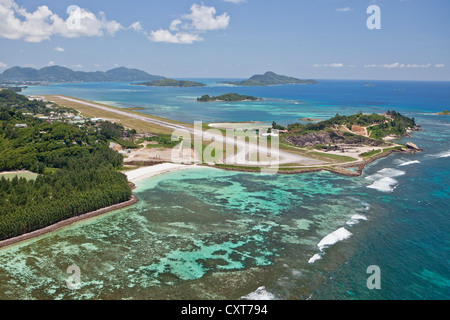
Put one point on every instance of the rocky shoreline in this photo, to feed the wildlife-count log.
(338, 170)
(327, 138)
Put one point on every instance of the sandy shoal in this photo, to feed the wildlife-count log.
(148, 172)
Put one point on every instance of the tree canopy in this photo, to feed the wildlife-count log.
(78, 172)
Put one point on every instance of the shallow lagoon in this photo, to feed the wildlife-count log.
(205, 233)
(197, 234)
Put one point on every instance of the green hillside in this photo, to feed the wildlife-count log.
(270, 79)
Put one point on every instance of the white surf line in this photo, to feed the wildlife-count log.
(408, 163)
(331, 239)
(243, 147)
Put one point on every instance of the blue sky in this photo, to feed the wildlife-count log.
(320, 39)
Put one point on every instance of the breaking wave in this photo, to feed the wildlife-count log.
(259, 294)
(408, 163)
(315, 257)
(355, 219)
(334, 237)
(444, 154)
(384, 180)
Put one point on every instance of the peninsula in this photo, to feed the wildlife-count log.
(228, 97)
(269, 79)
(444, 113)
(171, 83)
(364, 129)
(360, 135)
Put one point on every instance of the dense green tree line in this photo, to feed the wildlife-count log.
(21, 103)
(227, 97)
(380, 125)
(78, 172)
(397, 126)
(43, 144)
(27, 205)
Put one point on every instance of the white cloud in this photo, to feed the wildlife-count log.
(136, 26)
(204, 18)
(403, 65)
(51, 63)
(42, 24)
(346, 9)
(59, 49)
(393, 66)
(174, 25)
(330, 65)
(3, 65)
(336, 65)
(169, 37)
(397, 65)
(77, 66)
(189, 27)
(418, 65)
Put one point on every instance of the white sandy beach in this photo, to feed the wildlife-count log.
(148, 172)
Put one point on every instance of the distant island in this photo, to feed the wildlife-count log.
(170, 83)
(229, 97)
(444, 113)
(269, 79)
(12, 88)
(61, 74)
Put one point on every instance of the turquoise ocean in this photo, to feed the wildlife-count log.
(206, 233)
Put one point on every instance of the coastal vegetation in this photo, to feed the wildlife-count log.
(377, 125)
(269, 79)
(371, 153)
(12, 88)
(26, 106)
(78, 172)
(358, 129)
(228, 97)
(171, 83)
(160, 141)
(444, 113)
(277, 126)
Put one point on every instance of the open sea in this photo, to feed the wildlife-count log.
(205, 233)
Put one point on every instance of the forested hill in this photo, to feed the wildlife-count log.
(229, 97)
(62, 74)
(78, 172)
(269, 79)
(357, 129)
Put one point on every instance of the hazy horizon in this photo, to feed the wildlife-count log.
(232, 38)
